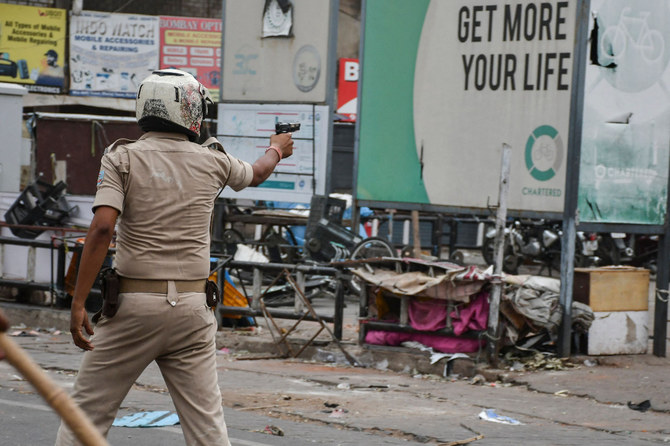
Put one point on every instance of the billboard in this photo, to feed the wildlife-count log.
(32, 47)
(467, 77)
(110, 54)
(626, 128)
(245, 130)
(193, 45)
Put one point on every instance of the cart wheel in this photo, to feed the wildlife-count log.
(371, 248)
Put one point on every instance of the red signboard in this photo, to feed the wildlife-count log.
(347, 90)
(193, 45)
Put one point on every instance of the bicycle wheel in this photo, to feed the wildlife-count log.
(372, 247)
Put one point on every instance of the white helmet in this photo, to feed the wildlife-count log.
(172, 100)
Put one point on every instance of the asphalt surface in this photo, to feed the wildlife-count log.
(397, 398)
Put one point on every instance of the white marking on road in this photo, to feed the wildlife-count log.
(237, 441)
(174, 430)
(26, 405)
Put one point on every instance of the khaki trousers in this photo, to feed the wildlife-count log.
(177, 331)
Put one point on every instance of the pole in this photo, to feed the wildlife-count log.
(498, 249)
(572, 177)
(53, 394)
(416, 236)
(662, 285)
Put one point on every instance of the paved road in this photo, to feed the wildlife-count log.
(377, 406)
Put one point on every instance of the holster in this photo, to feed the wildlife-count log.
(212, 293)
(109, 289)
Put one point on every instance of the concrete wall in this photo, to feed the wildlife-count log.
(11, 155)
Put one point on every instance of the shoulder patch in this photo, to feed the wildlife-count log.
(118, 142)
(101, 177)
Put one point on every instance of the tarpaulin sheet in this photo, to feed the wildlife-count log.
(448, 285)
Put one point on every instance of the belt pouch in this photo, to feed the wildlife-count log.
(109, 288)
(212, 293)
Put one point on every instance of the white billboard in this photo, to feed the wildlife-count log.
(245, 130)
(467, 77)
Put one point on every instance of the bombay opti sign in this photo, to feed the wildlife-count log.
(32, 47)
(468, 77)
(193, 45)
(110, 54)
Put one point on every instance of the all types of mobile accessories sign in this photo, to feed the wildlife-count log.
(245, 129)
(110, 54)
(626, 128)
(32, 47)
(446, 83)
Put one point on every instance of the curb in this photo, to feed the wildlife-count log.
(395, 359)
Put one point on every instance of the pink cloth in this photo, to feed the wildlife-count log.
(430, 315)
(444, 344)
(427, 315)
(473, 317)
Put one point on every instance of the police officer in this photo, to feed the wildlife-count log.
(162, 189)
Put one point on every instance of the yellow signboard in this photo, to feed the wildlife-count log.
(32, 47)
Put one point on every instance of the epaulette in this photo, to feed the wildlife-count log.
(118, 142)
(214, 144)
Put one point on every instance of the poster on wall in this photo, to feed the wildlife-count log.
(193, 45)
(32, 47)
(626, 128)
(245, 130)
(467, 78)
(110, 54)
(264, 61)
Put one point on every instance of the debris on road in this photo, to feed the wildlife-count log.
(641, 407)
(158, 418)
(271, 430)
(491, 415)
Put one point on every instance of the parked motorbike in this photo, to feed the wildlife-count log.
(638, 250)
(539, 242)
(536, 241)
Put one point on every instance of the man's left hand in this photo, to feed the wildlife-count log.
(79, 319)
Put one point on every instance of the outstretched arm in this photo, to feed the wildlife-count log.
(264, 165)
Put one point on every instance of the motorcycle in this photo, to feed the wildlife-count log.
(638, 250)
(539, 242)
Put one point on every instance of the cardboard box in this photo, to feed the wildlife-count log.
(612, 288)
(618, 333)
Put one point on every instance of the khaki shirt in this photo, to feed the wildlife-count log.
(164, 187)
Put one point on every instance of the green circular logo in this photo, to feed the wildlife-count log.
(544, 153)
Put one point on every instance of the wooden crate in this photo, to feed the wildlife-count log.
(612, 288)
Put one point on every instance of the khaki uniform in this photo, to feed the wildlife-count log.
(164, 187)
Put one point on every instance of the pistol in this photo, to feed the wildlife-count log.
(287, 127)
